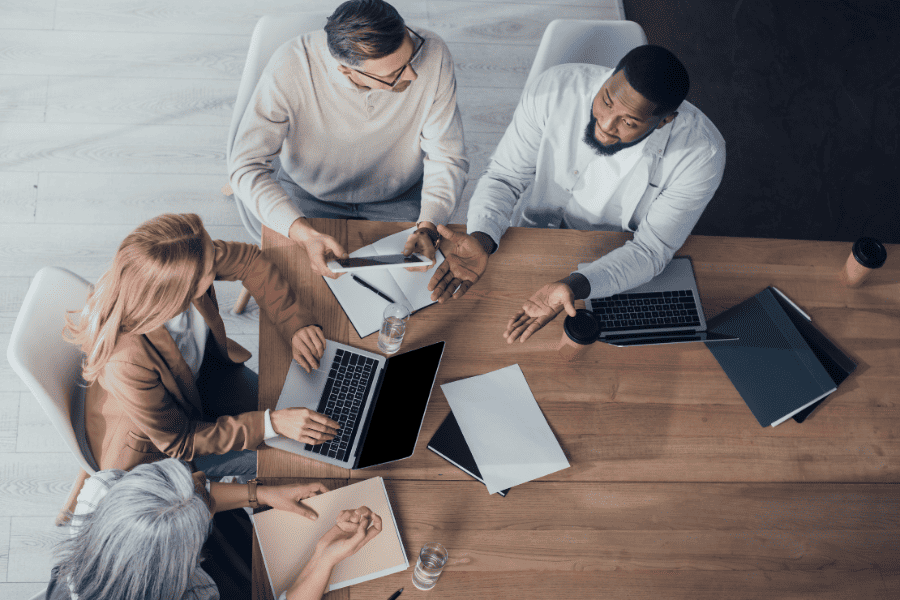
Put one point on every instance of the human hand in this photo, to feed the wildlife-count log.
(539, 310)
(419, 241)
(352, 530)
(465, 261)
(308, 346)
(288, 497)
(303, 425)
(320, 247)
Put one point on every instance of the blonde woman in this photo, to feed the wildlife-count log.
(138, 536)
(163, 380)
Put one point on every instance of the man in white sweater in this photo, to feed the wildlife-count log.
(593, 148)
(356, 121)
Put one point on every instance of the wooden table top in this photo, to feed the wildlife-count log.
(674, 490)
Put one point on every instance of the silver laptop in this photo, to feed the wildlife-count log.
(665, 310)
(379, 402)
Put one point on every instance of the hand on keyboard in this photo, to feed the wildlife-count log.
(308, 346)
(304, 425)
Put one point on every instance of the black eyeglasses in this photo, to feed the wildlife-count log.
(411, 58)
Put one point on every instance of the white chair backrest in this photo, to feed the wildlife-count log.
(601, 43)
(270, 33)
(48, 364)
(40, 595)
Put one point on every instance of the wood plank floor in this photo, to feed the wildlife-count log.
(114, 111)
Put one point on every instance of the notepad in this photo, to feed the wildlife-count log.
(288, 540)
(504, 428)
(365, 308)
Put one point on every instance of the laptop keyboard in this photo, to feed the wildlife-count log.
(649, 310)
(343, 398)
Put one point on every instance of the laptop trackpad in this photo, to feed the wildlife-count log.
(302, 389)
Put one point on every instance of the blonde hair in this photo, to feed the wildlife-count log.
(153, 278)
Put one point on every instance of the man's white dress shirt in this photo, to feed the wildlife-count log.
(544, 175)
(344, 143)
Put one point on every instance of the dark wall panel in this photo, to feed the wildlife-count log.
(807, 96)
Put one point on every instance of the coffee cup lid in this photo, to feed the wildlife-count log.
(582, 328)
(869, 252)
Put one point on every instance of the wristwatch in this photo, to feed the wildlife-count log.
(251, 492)
(432, 234)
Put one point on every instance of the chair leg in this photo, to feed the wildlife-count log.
(62, 518)
(242, 301)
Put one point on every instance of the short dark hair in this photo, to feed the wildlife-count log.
(360, 30)
(657, 75)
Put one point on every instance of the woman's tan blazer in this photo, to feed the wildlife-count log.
(145, 406)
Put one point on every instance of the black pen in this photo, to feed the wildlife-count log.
(396, 594)
(371, 287)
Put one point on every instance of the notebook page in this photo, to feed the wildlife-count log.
(414, 285)
(288, 540)
(365, 308)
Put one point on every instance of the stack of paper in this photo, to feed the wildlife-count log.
(504, 428)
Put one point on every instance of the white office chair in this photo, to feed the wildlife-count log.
(270, 33)
(50, 366)
(601, 43)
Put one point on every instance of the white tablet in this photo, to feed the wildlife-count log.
(380, 261)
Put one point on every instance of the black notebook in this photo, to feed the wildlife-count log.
(448, 443)
(782, 366)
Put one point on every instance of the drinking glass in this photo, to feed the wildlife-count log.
(393, 328)
(432, 559)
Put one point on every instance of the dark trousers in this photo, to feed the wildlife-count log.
(226, 389)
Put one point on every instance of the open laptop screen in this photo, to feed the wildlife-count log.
(400, 406)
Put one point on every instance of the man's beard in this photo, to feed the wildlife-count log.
(602, 150)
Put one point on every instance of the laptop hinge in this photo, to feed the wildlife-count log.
(650, 334)
(365, 426)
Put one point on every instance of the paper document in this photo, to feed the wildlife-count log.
(364, 307)
(287, 540)
(504, 427)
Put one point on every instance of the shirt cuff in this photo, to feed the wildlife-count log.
(270, 432)
(486, 226)
(282, 216)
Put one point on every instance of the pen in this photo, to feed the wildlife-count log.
(396, 594)
(371, 287)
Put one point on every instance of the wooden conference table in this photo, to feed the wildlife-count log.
(674, 490)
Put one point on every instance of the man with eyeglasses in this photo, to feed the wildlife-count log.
(357, 121)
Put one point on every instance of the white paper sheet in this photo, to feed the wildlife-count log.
(504, 427)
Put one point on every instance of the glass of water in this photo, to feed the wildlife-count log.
(432, 559)
(393, 328)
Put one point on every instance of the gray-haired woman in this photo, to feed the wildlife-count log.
(138, 535)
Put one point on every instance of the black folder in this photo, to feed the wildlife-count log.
(448, 443)
(782, 366)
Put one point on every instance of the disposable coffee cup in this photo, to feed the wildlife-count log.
(867, 255)
(579, 332)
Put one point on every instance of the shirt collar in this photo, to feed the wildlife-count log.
(657, 141)
(331, 67)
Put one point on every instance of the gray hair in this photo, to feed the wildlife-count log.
(360, 30)
(143, 540)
